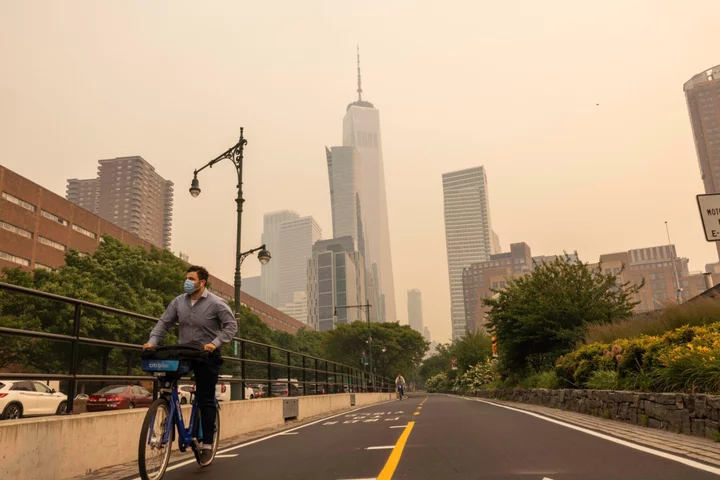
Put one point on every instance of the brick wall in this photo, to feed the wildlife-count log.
(38, 254)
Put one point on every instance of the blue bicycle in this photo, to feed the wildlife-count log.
(169, 364)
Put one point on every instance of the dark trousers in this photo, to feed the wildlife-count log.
(206, 377)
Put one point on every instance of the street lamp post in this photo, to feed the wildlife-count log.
(367, 307)
(235, 155)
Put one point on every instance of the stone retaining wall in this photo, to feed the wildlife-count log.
(697, 415)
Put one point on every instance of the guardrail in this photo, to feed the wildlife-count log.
(255, 363)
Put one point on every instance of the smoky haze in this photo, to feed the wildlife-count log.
(576, 111)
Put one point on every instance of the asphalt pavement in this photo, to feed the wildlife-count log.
(440, 437)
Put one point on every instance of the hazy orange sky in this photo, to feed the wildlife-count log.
(512, 86)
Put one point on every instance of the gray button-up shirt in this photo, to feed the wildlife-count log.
(210, 320)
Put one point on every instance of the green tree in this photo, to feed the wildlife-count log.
(438, 362)
(543, 315)
(404, 347)
(471, 349)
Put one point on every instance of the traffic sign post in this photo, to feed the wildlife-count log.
(709, 206)
(453, 363)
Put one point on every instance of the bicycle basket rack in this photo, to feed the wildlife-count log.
(168, 366)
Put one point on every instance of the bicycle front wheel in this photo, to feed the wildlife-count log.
(153, 456)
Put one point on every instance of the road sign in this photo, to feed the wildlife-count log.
(494, 346)
(453, 363)
(709, 206)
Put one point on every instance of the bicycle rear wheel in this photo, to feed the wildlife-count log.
(197, 433)
(153, 456)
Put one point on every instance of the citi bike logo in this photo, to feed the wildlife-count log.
(158, 365)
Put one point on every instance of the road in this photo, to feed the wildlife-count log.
(439, 437)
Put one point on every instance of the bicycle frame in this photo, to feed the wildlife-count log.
(175, 419)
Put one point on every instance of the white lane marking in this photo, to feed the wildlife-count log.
(642, 448)
(383, 447)
(227, 456)
(392, 419)
(370, 420)
(403, 426)
(546, 478)
(253, 442)
(289, 433)
(329, 423)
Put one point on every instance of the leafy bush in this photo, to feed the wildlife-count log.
(603, 380)
(436, 383)
(547, 379)
(698, 313)
(686, 359)
(477, 376)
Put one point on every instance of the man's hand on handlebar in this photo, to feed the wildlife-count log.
(210, 347)
(148, 346)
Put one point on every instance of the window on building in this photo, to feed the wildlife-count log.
(54, 218)
(51, 243)
(85, 232)
(14, 259)
(15, 230)
(17, 201)
(40, 266)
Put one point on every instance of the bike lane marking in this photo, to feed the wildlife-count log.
(258, 440)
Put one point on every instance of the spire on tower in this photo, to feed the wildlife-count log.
(359, 90)
(359, 102)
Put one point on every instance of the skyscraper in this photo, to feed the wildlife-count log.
(130, 194)
(345, 175)
(361, 130)
(702, 93)
(297, 238)
(415, 316)
(468, 233)
(335, 279)
(270, 273)
(84, 193)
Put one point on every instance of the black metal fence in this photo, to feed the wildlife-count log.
(274, 371)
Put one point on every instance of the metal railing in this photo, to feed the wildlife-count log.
(255, 363)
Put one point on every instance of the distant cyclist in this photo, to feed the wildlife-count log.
(204, 320)
(400, 384)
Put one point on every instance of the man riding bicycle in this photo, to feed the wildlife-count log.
(400, 384)
(204, 320)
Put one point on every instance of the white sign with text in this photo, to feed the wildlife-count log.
(709, 206)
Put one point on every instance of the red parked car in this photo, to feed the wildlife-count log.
(118, 397)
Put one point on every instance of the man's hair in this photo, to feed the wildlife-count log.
(202, 273)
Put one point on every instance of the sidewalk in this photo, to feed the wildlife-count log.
(703, 450)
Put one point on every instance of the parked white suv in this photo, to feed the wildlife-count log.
(222, 389)
(25, 398)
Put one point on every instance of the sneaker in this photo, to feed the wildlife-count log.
(206, 457)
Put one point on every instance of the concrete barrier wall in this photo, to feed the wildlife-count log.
(362, 399)
(56, 448)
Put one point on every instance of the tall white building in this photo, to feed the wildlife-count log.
(298, 308)
(297, 238)
(345, 172)
(336, 278)
(468, 232)
(415, 316)
(361, 130)
(270, 273)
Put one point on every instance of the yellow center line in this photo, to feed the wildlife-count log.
(394, 459)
